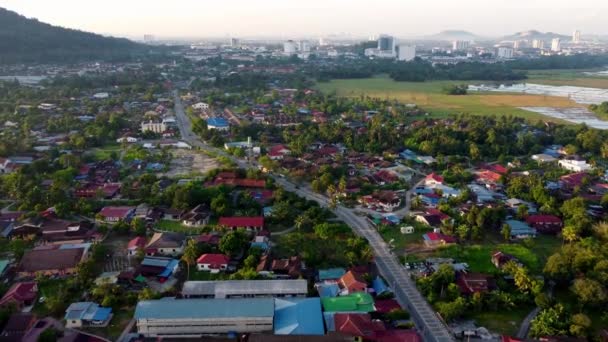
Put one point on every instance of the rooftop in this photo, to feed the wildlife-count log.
(298, 316)
(169, 308)
(221, 289)
(355, 302)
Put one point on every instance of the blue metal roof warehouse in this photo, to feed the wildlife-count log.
(170, 308)
(298, 316)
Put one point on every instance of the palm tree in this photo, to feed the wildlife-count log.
(301, 221)
(569, 233)
(190, 254)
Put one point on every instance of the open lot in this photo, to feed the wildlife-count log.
(532, 254)
(186, 162)
(504, 321)
(429, 96)
(178, 227)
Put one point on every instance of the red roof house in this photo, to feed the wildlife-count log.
(433, 179)
(244, 222)
(397, 336)
(209, 239)
(550, 224)
(115, 214)
(358, 325)
(572, 180)
(385, 306)
(487, 176)
(437, 239)
(136, 244)
(470, 283)
(496, 168)
(20, 295)
(212, 262)
(353, 282)
(278, 152)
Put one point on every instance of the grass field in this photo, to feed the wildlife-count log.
(568, 77)
(106, 152)
(505, 321)
(429, 96)
(401, 241)
(178, 227)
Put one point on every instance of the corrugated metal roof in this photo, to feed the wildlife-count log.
(298, 316)
(204, 308)
(221, 289)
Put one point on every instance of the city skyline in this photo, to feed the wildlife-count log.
(281, 19)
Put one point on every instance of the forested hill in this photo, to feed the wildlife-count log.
(24, 40)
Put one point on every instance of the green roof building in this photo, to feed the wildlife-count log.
(354, 302)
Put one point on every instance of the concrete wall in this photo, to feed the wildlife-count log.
(198, 327)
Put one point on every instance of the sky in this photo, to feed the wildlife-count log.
(309, 18)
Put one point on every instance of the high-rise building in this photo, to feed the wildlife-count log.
(148, 38)
(304, 46)
(406, 52)
(386, 43)
(505, 53)
(538, 44)
(459, 45)
(235, 42)
(576, 36)
(556, 45)
(290, 48)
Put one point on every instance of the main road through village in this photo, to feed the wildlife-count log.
(428, 323)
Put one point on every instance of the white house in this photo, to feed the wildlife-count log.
(156, 127)
(200, 106)
(575, 165)
(213, 263)
(126, 139)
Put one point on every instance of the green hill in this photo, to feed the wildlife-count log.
(24, 40)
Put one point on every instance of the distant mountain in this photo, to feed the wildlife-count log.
(533, 34)
(450, 35)
(28, 40)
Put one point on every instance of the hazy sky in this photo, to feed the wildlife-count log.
(285, 18)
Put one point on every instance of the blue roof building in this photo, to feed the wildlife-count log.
(81, 314)
(327, 289)
(3, 266)
(379, 286)
(298, 316)
(520, 229)
(331, 274)
(218, 123)
(330, 323)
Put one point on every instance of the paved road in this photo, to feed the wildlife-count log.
(525, 325)
(428, 323)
